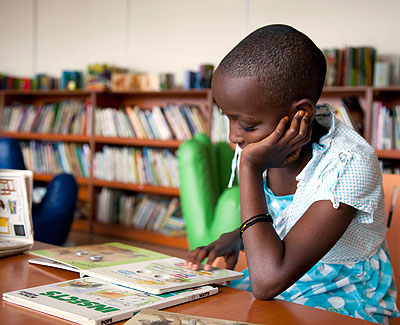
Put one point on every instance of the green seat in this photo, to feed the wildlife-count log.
(208, 206)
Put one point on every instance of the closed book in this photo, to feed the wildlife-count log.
(182, 122)
(90, 301)
(173, 123)
(135, 122)
(161, 123)
(152, 316)
(145, 123)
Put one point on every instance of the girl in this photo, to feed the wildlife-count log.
(312, 210)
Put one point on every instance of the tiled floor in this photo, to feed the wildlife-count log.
(80, 238)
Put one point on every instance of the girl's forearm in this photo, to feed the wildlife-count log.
(264, 249)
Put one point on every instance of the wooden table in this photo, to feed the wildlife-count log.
(16, 273)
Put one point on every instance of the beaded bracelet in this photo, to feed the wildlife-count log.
(253, 220)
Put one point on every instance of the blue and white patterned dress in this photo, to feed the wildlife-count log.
(355, 277)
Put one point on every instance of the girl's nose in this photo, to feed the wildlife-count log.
(235, 134)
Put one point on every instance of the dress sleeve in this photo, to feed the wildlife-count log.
(354, 179)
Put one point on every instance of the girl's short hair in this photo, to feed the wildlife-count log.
(288, 65)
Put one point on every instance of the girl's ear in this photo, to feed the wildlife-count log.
(306, 105)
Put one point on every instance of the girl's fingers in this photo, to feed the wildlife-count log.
(231, 261)
(200, 256)
(192, 257)
(303, 134)
(293, 130)
(211, 258)
(279, 130)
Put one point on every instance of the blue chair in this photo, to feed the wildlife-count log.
(52, 217)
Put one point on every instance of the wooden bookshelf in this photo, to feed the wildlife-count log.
(47, 137)
(388, 154)
(89, 187)
(366, 95)
(48, 178)
(148, 189)
(134, 142)
(120, 231)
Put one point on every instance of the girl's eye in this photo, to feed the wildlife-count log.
(247, 128)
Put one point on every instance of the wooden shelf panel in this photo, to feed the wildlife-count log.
(49, 177)
(345, 91)
(172, 144)
(79, 92)
(80, 225)
(386, 89)
(166, 92)
(51, 92)
(47, 137)
(132, 234)
(149, 189)
(388, 154)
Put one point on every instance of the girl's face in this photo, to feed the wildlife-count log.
(250, 120)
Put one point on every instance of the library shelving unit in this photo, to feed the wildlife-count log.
(367, 95)
(89, 187)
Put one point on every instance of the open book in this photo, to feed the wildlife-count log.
(132, 267)
(91, 301)
(16, 229)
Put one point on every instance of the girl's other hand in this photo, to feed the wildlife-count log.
(282, 146)
(227, 245)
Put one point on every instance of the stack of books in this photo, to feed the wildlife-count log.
(116, 282)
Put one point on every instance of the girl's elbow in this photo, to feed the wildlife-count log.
(266, 291)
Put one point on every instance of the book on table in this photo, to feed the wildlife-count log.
(133, 267)
(92, 301)
(153, 316)
(16, 228)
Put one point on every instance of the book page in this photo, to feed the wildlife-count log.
(161, 276)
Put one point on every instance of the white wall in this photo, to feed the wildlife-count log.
(173, 35)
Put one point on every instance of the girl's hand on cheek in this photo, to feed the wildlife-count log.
(282, 146)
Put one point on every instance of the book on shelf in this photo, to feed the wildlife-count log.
(16, 228)
(145, 165)
(350, 66)
(65, 117)
(343, 114)
(161, 123)
(135, 267)
(385, 126)
(382, 74)
(57, 157)
(154, 316)
(220, 125)
(90, 301)
(141, 211)
(170, 122)
(355, 112)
